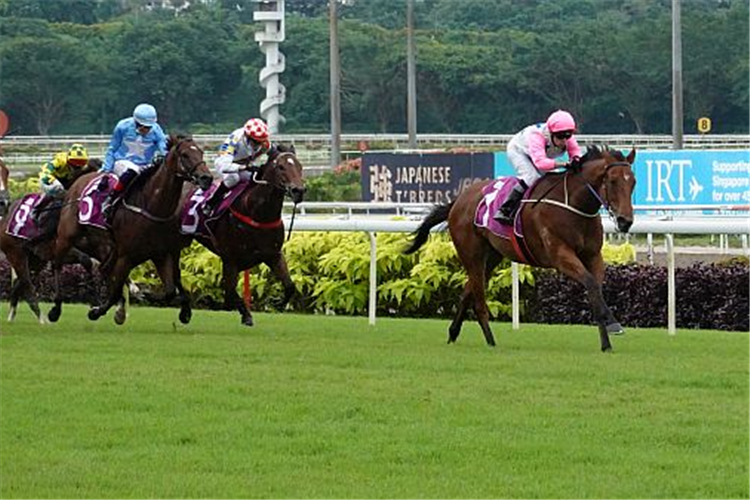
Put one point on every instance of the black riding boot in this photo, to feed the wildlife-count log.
(36, 214)
(210, 204)
(108, 205)
(507, 211)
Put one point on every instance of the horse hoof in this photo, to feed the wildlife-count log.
(54, 314)
(247, 321)
(120, 316)
(94, 314)
(11, 314)
(607, 349)
(185, 316)
(615, 329)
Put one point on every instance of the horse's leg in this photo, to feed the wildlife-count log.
(168, 269)
(281, 271)
(116, 281)
(611, 325)
(474, 252)
(24, 286)
(458, 320)
(571, 266)
(231, 299)
(74, 257)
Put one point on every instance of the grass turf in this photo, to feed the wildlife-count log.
(311, 406)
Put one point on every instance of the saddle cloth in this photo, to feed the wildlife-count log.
(192, 219)
(22, 224)
(90, 202)
(495, 194)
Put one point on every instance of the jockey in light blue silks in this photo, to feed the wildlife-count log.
(137, 143)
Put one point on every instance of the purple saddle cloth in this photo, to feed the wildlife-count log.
(192, 219)
(90, 203)
(495, 194)
(22, 224)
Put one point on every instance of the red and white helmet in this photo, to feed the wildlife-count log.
(256, 129)
(561, 121)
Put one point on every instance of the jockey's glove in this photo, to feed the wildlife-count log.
(157, 160)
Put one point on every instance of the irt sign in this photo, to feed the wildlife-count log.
(692, 178)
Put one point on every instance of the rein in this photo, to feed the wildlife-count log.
(565, 204)
(254, 223)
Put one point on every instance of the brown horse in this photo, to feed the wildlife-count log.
(28, 257)
(4, 188)
(251, 232)
(137, 230)
(562, 228)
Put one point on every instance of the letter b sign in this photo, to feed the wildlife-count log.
(704, 125)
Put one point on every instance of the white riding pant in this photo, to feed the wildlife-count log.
(231, 173)
(523, 165)
(121, 166)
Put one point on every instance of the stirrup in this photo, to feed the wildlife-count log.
(504, 218)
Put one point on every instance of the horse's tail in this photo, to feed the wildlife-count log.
(438, 215)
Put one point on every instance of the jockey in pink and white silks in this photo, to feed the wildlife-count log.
(235, 161)
(137, 143)
(534, 151)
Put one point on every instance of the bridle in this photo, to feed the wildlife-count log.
(187, 171)
(565, 204)
(604, 200)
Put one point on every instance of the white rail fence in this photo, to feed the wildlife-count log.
(27, 153)
(372, 224)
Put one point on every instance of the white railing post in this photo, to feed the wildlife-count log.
(373, 277)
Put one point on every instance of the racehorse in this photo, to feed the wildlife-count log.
(28, 256)
(251, 231)
(136, 231)
(562, 229)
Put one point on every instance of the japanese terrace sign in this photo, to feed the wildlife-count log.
(716, 178)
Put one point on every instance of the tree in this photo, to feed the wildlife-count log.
(40, 78)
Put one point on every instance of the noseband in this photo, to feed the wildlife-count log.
(187, 171)
(604, 201)
(274, 164)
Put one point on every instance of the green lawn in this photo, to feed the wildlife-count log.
(312, 406)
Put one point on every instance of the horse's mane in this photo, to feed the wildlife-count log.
(173, 140)
(595, 152)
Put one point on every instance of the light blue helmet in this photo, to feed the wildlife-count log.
(145, 114)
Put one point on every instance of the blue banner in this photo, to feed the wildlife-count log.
(683, 177)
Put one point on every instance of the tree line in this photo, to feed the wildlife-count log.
(78, 66)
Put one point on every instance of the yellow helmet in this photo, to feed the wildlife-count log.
(77, 155)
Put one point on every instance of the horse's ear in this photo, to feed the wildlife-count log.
(631, 156)
(291, 148)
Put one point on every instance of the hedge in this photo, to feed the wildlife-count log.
(331, 272)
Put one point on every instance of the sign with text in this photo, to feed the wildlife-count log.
(422, 177)
(683, 177)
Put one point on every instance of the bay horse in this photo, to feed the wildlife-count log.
(562, 229)
(251, 231)
(28, 257)
(137, 231)
(4, 187)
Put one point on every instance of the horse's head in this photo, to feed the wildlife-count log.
(185, 157)
(614, 178)
(284, 171)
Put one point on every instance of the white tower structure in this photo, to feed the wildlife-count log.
(271, 14)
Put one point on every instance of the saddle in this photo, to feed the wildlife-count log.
(494, 194)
